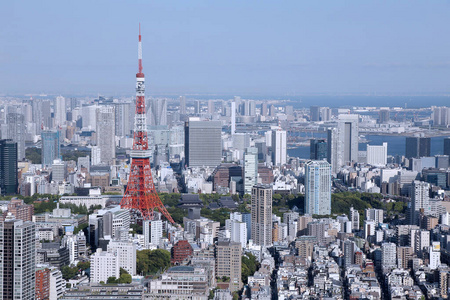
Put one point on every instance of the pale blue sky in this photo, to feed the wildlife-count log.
(226, 47)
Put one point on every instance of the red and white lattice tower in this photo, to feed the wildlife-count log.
(141, 193)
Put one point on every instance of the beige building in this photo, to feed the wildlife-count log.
(228, 262)
(262, 215)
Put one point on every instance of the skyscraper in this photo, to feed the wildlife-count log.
(343, 142)
(8, 167)
(123, 113)
(325, 114)
(197, 107)
(17, 260)
(203, 144)
(417, 147)
(17, 132)
(157, 112)
(211, 107)
(233, 117)
(383, 116)
(420, 200)
(318, 188)
(318, 149)
(182, 105)
(60, 111)
(314, 113)
(50, 146)
(264, 109)
(105, 133)
(261, 215)
(279, 147)
(250, 169)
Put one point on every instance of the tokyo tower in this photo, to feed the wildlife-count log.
(141, 194)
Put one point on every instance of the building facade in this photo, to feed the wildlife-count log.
(203, 143)
(8, 167)
(318, 188)
(17, 260)
(261, 210)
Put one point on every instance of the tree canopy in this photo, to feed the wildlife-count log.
(150, 262)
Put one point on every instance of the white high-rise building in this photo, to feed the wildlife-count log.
(250, 169)
(343, 142)
(262, 215)
(354, 218)
(377, 155)
(369, 228)
(106, 133)
(389, 255)
(103, 266)
(57, 286)
(420, 199)
(60, 111)
(152, 231)
(420, 241)
(233, 117)
(238, 231)
(96, 155)
(318, 188)
(373, 214)
(279, 150)
(89, 117)
(125, 253)
(435, 255)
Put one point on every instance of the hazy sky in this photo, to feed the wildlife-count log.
(225, 47)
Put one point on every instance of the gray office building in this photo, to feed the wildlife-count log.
(314, 113)
(16, 132)
(343, 142)
(447, 146)
(417, 147)
(51, 148)
(203, 143)
(318, 149)
(8, 167)
(17, 260)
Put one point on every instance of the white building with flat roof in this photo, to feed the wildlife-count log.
(103, 266)
(377, 155)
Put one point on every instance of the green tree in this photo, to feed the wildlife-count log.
(69, 272)
(83, 265)
(150, 262)
(249, 266)
(111, 280)
(125, 278)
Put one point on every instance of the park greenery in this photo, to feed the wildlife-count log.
(340, 204)
(151, 262)
(249, 266)
(35, 155)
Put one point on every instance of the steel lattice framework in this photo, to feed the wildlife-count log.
(141, 194)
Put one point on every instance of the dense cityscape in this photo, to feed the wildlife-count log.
(141, 195)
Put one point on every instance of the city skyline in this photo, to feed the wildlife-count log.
(227, 48)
